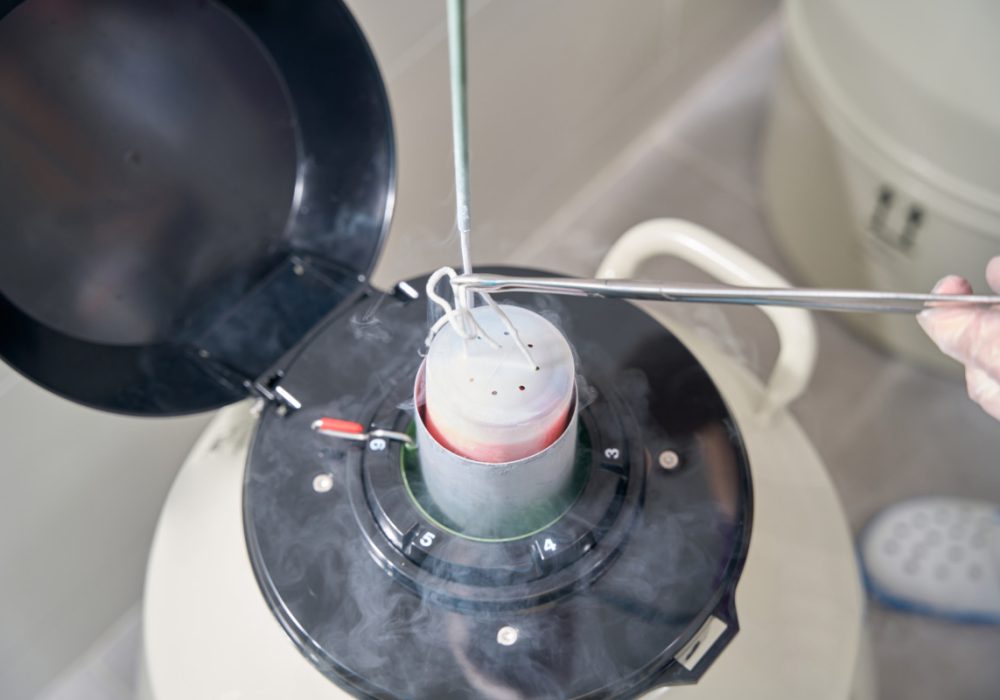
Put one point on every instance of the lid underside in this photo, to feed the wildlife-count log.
(188, 188)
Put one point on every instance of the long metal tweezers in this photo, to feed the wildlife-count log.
(849, 300)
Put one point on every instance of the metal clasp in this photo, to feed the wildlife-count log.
(349, 430)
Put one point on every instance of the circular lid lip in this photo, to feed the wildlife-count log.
(173, 377)
(892, 110)
(265, 488)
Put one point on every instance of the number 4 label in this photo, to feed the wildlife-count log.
(549, 545)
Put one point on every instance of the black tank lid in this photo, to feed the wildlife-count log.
(186, 189)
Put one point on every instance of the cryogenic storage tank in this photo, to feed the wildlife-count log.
(882, 159)
(697, 540)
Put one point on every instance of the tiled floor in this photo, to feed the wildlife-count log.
(109, 670)
(885, 430)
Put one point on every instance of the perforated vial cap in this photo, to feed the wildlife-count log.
(493, 405)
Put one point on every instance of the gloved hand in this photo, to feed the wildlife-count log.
(971, 336)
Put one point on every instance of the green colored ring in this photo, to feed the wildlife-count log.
(411, 431)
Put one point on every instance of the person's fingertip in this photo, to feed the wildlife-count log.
(990, 404)
(938, 324)
(924, 319)
(993, 274)
(982, 388)
(993, 409)
(952, 284)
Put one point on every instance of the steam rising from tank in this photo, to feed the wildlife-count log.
(345, 590)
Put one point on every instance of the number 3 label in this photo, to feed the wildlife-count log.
(612, 453)
(377, 445)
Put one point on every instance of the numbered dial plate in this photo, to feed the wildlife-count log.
(421, 547)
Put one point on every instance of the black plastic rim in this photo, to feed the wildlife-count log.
(386, 616)
(186, 313)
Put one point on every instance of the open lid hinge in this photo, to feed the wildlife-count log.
(267, 388)
(270, 391)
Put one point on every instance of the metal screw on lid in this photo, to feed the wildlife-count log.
(507, 635)
(669, 459)
(322, 483)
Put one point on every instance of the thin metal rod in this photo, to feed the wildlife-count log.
(850, 300)
(459, 126)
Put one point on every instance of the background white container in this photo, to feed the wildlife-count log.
(882, 160)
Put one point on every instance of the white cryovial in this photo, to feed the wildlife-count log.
(492, 404)
(496, 436)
